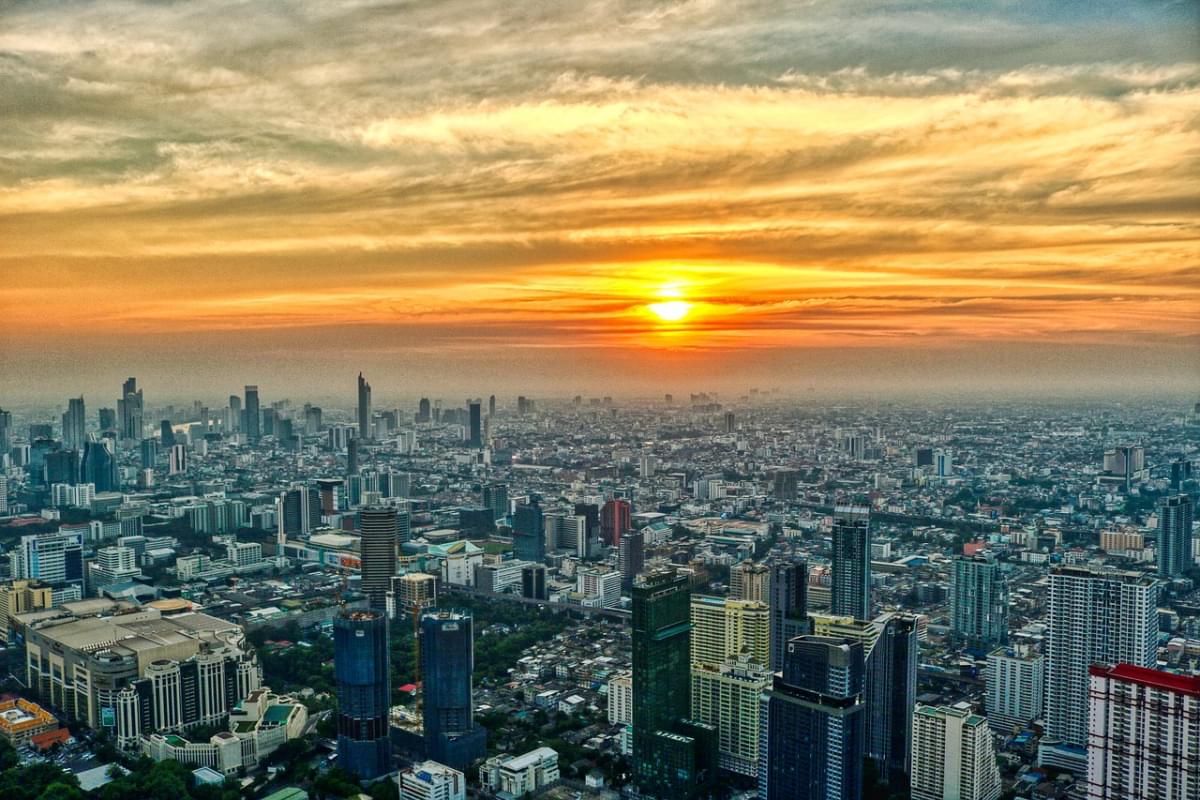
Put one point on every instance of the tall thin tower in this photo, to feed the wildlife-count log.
(364, 409)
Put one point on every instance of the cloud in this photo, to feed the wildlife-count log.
(816, 173)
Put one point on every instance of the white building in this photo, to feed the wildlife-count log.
(1016, 679)
(603, 586)
(1143, 734)
(1095, 618)
(79, 495)
(113, 565)
(620, 700)
(952, 755)
(520, 775)
(432, 781)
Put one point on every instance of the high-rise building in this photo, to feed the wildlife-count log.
(1094, 617)
(723, 628)
(631, 557)
(529, 537)
(495, 497)
(749, 581)
(891, 696)
(533, 581)
(233, 414)
(6, 432)
(728, 650)
(670, 753)
(166, 434)
(851, 596)
(360, 668)
(61, 466)
(616, 519)
(364, 408)
(812, 723)
(1143, 734)
(953, 757)
(74, 425)
(251, 415)
(447, 663)
(785, 484)
(979, 601)
(475, 431)
(726, 696)
(131, 409)
(178, 462)
(423, 412)
(149, 453)
(789, 607)
(1175, 517)
(378, 553)
(1016, 681)
(112, 565)
(730, 422)
(297, 513)
(100, 466)
(52, 558)
(492, 405)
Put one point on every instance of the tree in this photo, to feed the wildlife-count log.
(61, 791)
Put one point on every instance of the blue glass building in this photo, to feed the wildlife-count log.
(360, 667)
(447, 662)
(529, 536)
(813, 722)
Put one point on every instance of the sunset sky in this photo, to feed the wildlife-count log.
(482, 196)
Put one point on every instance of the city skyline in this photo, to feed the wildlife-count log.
(699, 195)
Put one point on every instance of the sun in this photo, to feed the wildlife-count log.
(670, 310)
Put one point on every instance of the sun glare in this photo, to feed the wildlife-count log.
(671, 310)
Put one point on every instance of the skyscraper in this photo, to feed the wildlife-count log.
(352, 449)
(251, 417)
(423, 412)
(1094, 617)
(852, 562)
(74, 425)
(813, 726)
(1016, 687)
(529, 538)
(149, 453)
(5, 432)
(364, 408)
(953, 755)
(891, 696)
(177, 463)
(789, 607)
(475, 435)
(631, 557)
(615, 521)
(495, 497)
(749, 581)
(233, 414)
(669, 753)
(979, 601)
(100, 466)
(297, 512)
(1143, 734)
(447, 663)
(1175, 516)
(107, 420)
(130, 408)
(360, 667)
(166, 434)
(729, 646)
(378, 552)
(492, 405)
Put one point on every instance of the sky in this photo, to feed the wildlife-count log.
(481, 196)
